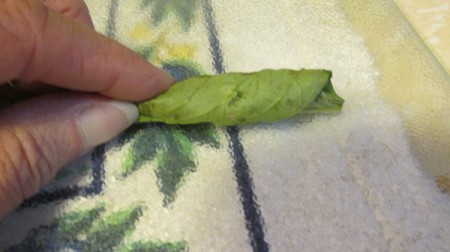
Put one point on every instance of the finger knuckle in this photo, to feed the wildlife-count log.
(24, 161)
(75, 9)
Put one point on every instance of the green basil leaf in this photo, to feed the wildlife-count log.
(243, 98)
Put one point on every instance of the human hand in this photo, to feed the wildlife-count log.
(72, 76)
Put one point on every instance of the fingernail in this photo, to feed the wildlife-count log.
(103, 121)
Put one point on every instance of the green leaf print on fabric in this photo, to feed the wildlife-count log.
(110, 231)
(72, 224)
(173, 148)
(90, 230)
(160, 246)
(183, 10)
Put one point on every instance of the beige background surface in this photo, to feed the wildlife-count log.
(431, 18)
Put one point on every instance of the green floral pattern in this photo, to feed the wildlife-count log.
(173, 148)
(183, 10)
(90, 230)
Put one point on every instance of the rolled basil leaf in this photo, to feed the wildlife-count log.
(243, 98)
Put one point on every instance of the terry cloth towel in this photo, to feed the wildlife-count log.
(340, 182)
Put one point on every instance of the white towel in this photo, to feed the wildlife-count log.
(339, 182)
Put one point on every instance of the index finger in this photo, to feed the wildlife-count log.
(45, 46)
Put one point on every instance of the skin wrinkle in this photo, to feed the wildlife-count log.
(115, 76)
(33, 28)
(38, 52)
(107, 54)
(24, 171)
(8, 188)
(14, 184)
(29, 162)
(39, 164)
(15, 28)
(34, 157)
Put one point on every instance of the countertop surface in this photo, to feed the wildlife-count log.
(431, 19)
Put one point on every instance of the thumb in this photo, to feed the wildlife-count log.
(41, 135)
